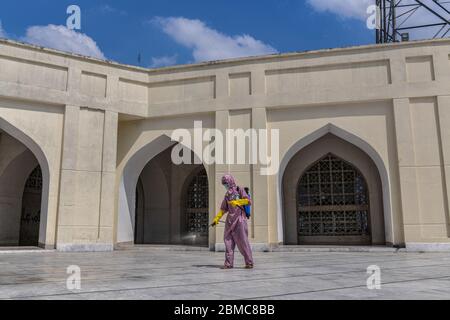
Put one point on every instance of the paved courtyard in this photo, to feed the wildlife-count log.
(160, 273)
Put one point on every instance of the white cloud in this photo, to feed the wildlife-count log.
(163, 61)
(208, 44)
(343, 8)
(111, 10)
(64, 39)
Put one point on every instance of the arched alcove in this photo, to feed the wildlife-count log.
(332, 204)
(21, 157)
(154, 211)
(345, 140)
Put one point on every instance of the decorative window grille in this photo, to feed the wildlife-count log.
(332, 200)
(34, 182)
(197, 205)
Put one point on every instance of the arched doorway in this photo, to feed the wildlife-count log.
(23, 190)
(333, 204)
(332, 195)
(196, 210)
(171, 204)
(31, 209)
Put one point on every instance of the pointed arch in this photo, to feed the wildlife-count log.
(129, 179)
(358, 142)
(332, 203)
(28, 142)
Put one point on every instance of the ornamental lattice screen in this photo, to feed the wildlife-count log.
(34, 182)
(31, 209)
(197, 208)
(333, 202)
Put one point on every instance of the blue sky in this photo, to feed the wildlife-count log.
(180, 31)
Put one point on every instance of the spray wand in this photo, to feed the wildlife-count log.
(213, 225)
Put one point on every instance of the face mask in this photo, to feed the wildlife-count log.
(226, 186)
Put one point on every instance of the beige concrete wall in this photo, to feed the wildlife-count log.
(92, 122)
(423, 169)
(86, 202)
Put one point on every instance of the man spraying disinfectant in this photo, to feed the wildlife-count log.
(237, 204)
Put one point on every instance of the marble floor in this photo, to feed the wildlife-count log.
(157, 273)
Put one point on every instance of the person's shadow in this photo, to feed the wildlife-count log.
(212, 266)
(207, 266)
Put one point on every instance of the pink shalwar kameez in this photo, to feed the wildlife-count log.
(236, 228)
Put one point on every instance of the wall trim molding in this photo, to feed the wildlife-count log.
(427, 247)
(87, 247)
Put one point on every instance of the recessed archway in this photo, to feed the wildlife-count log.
(24, 187)
(172, 203)
(302, 151)
(153, 198)
(332, 204)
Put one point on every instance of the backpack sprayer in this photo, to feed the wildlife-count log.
(246, 208)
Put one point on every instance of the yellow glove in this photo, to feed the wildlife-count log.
(217, 218)
(242, 202)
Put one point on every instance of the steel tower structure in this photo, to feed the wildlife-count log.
(399, 18)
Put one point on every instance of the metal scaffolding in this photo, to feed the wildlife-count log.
(398, 19)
